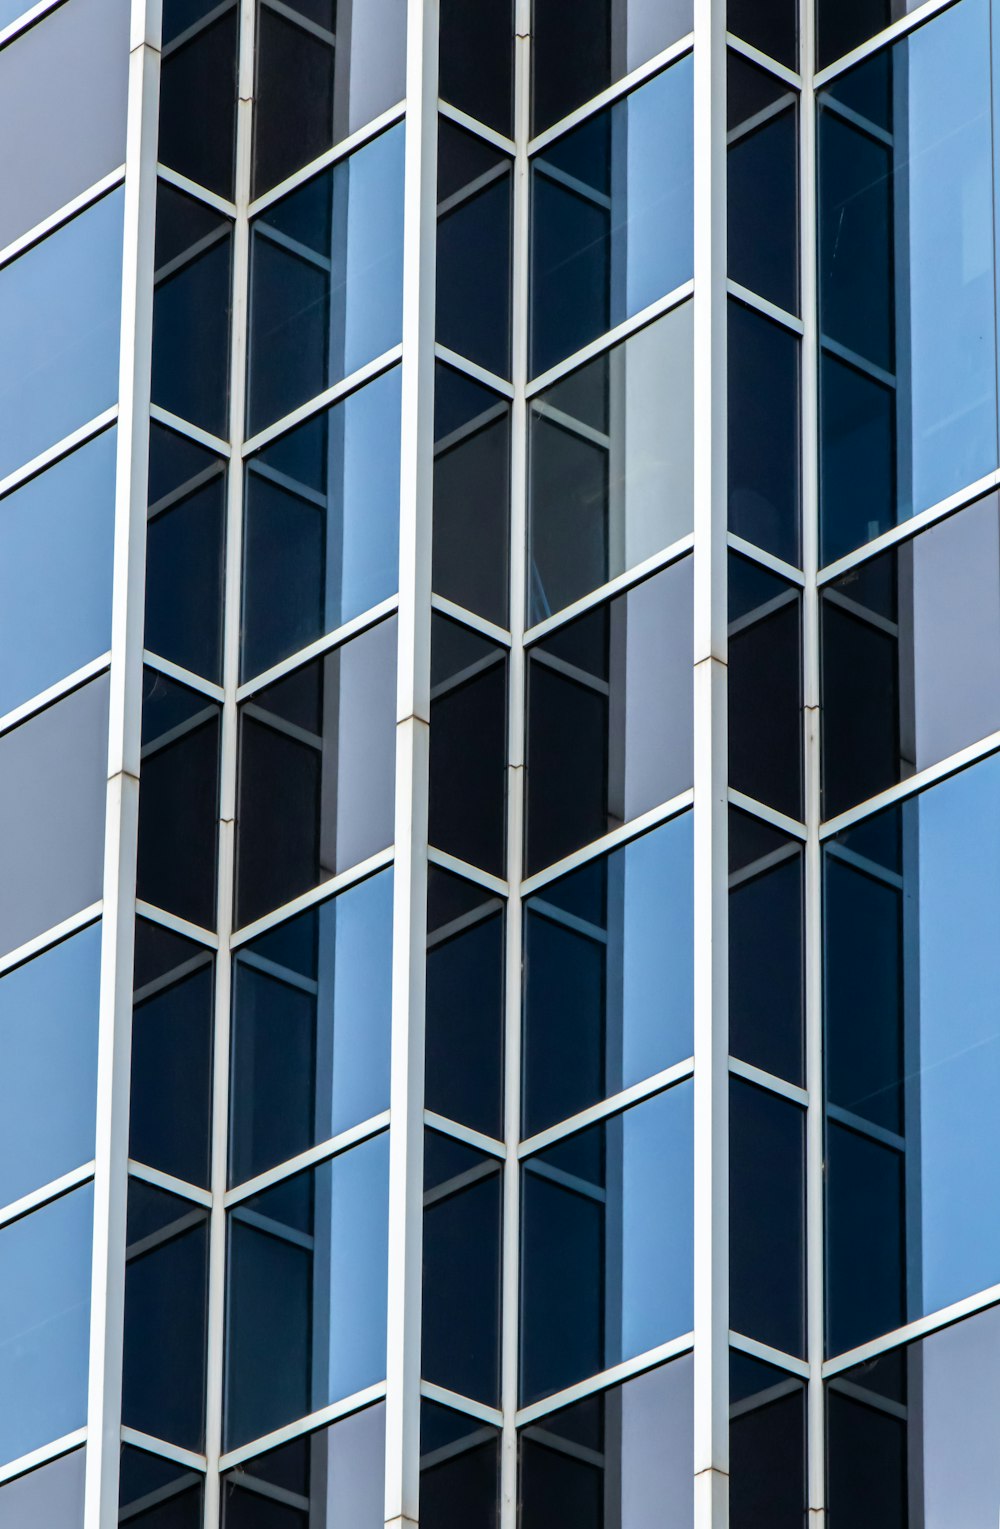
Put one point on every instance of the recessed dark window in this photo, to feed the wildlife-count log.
(477, 60)
(766, 896)
(185, 553)
(765, 686)
(191, 310)
(475, 186)
(772, 26)
(197, 135)
(468, 743)
(762, 182)
(767, 1445)
(459, 1470)
(471, 494)
(338, 1471)
(763, 424)
(464, 1046)
(767, 1213)
(168, 1496)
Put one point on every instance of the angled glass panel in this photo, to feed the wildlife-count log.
(477, 61)
(766, 910)
(611, 464)
(317, 772)
(845, 24)
(620, 1459)
(53, 792)
(197, 133)
(762, 183)
(471, 494)
(60, 312)
(45, 1262)
(767, 1445)
(468, 745)
(763, 433)
(609, 736)
(608, 975)
(464, 1043)
(772, 26)
(767, 1211)
(765, 686)
(192, 310)
(185, 552)
(331, 1479)
(459, 1470)
(475, 189)
(307, 1275)
(611, 216)
(326, 279)
(606, 1250)
(311, 1019)
(50, 1494)
(155, 1493)
(321, 524)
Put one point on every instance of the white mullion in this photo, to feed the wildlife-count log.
(124, 737)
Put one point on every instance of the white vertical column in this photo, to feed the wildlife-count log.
(711, 1026)
(406, 1101)
(121, 829)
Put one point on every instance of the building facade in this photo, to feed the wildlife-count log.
(571, 1100)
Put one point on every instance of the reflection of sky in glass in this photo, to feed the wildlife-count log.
(961, 1420)
(656, 1209)
(657, 933)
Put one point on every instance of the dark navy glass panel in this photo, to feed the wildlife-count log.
(477, 60)
(579, 47)
(471, 494)
(185, 553)
(197, 134)
(468, 733)
(335, 1478)
(845, 24)
(770, 25)
(766, 996)
(155, 1493)
(465, 1003)
(763, 429)
(606, 1243)
(459, 1470)
(475, 188)
(463, 1218)
(311, 1019)
(767, 1446)
(767, 1211)
(608, 975)
(191, 310)
(50, 1494)
(762, 165)
(612, 216)
(765, 686)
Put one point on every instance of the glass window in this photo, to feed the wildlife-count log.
(48, 1082)
(60, 312)
(579, 47)
(845, 24)
(317, 772)
(311, 1021)
(608, 975)
(465, 1003)
(911, 1434)
(477, 60)
(50, 1494)
(170, 1118)
(765, 686)
(331, 1479)
(611, 464)
(468, 742)
(475, 185)
(612, 214)
(178, 799)
(192, 310)
(913, 1057)
(767, 1212)
(908, 390)
(321, 525)
(45, 1261)
(326, 279)
(620, 1459)
(185, 552)
(767, 1446)
(166, 1300)
(609, 737)
(325, 68)
(763, 429)
(53, 792)
(63, 86)
(198, 91)
(606, 1250)
(471, 494)
(459, 1470)
(154, 1493)
(762, 186)
(308, 1265)
(766, 895)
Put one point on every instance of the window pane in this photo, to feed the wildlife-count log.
(317, 772)
(308, 1265)
(154, 1493)
(465, 1003)
(475, 185)
(477, 60)
(611, 464)
(185, 553)
(198, 92)
(608, 963)
(60, 310)
(471, 494)
(765, 686)
(336, 1477)
(762, 184)
(611, 216)
(50, 1494)
(844, 24)
(763, 427)
(767, 1445)
(311, 1022)
(606, 1261)
(191, 310)
(767, 1207)
(468, 742)
(459, 1470)
(321, 529)
(771, 26)
(766, 912)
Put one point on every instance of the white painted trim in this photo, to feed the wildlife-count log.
(331, 888)
(165, 1450)
(923, 1327)
(341, 150)
(474, 370)
(612, 337)
(764, 306)
(614, 1104)
(56, 692)
(612, 93)
(64, 214)
(46, 1193)
(913, 785)
(764, 60)
(488, 629)
(888, 35)
(318, 648)
(183, 676)
(179, 925)
(50, 937)
(778, 820)
(621, 584)
(466, 1134)
(616, 839)
(768, 1080)
(42, 1456)
(23, 22)
(769, 1355)
(464, 1404)
(171, 1185)
(766, 559)
(650, 1360)
(312, 1157)
(478, 129)
(195, 433)
(51, 454)
(321, 1419)
(484, 879)
(195, 191)
(334, 394)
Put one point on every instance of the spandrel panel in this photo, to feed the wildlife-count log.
(767, 1195)
(53, 791)
(477, 60)
(459, 1470)
(609, 737)
(475, 190)
(771, 26)
(336, 1477)
(763, 433)
(611, 216)
(913, 1048)
(307, 1275)
(311, 1021)
(185, 553)
(766, 956)
(765, 686)
(471, 532)
(171, 1495)
(317, 772)
(325, 68)
(45, 1260)
(611, 454)
(48, 1084)
(767, 1445)
(620, 1459)
(762, 183)
(197, 131)
(50, 1494)
(60, 312)
(326, 279)
(606, 1243)
(192, 310)
(608, 975)
(468, 745)
(321, 524)
(63, 87)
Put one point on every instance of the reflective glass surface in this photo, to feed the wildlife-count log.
(155, 1493)
(464, 1043)
(772, 25)
(620, 1459)
(763, 431)
(611, 464)
(913, 1057)
(331, 1479)
(767, 1446)
(471, 494)
(326, 279)
(765, 686)
(611, 215)
(767, 1209)
(321, 524)
(459, 1470)
(317, 772)
(197, 133)
(608, 975)
(762, 182)
(45, 1261)
(845, 24)
(473, 248)
(50, 1494)
(53, 791)
(606, 1251)
(477, 60)
(192, 310)
(185, 547)
(60, 310)
(766, 975)
(307, 1275)
(609, 735)
(468, 745)
(310, 1037)
(460, 1328)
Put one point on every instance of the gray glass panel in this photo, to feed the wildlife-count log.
(53, 783)
(45, 1261)
(50, 1495)
(336, 1474)
(60, 310)
(62, 101)
(56, 535)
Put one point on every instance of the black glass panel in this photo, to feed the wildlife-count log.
(155, 1493)
(459, 1470)
(468, 745)
(763, 429)
(477, 60)
(191, 310)
(766, 974)
(845, 24)
(460, 1331)
(471, 494)
(473, 248)
(765, 686)
(762, 182)
(767, 1446)
(465, 1003)
(770, 25)
(767, 1217)
(185, 549)
(331, 1479)
(198, 92)
(578, 47)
